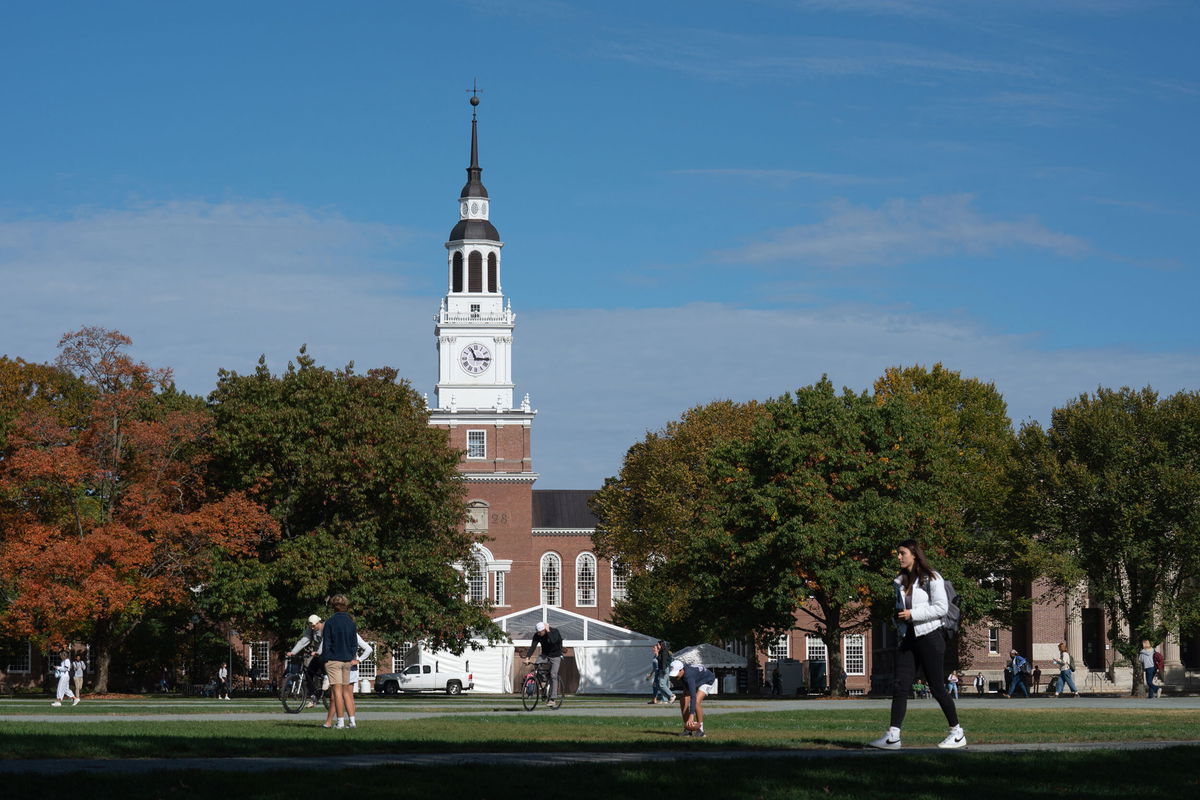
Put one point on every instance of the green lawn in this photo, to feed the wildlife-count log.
(545, 731)
(1040, 776)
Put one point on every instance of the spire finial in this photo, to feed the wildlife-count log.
(474, 90)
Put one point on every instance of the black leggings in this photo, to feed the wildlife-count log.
(929, 651)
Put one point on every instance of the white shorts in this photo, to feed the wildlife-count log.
(708, 688)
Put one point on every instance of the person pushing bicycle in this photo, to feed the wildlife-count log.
(551, 642)
(310, 645)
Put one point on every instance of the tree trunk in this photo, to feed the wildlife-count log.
(103, 657)
(753, 683)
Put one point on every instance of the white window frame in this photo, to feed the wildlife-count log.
(815, 649)
(15, 668)
(477, 579)
(780, 648)
(620, 581)
(554, 563)
(476, 445)
(369, 667)
(499, 595)
(259, 665)
(993, 641)
(854, 654)
(585, 580)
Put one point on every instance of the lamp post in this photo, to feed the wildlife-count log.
(229, 641)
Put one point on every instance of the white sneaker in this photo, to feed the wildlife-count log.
(56, 703)
(351, 724)
(955, 739)
(888, 741)
(75, 702)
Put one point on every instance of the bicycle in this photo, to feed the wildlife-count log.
(536, 686)
(297, 692)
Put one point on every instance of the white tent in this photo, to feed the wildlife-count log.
(609, 659)
(711, 656)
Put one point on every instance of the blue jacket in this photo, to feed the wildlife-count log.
(339, 640)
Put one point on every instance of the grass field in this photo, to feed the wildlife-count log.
(819, 728)
(497, 727)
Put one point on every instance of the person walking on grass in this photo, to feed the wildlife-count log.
(921, 606)
(223, 682)
(697, 683)
(339, 647)
(63, 673)
(952, 684)
(78, 668)
(980, 684)
(1066, 670)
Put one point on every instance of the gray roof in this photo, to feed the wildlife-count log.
(563, 509)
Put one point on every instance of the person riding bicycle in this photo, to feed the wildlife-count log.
(310, 645)
(551, 642)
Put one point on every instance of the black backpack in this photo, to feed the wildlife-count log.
(953, 618)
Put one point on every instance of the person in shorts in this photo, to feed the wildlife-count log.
(339, 648)
(697, 683)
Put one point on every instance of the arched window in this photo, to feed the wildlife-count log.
(493, 273)
(477, 579)
(475, 272)
(585, 580)
(456, 274)
(551, 580)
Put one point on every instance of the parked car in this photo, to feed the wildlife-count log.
(424, 678)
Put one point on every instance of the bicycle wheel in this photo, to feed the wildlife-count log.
(530, 693)
(293, 693)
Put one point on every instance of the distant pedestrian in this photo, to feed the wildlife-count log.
(952, 684)
(63, 673)
(78, 668)
(921, 607)
(660, 691)
(1018, 667)
(980, 684)
(1066, 670)
(1146, 658)
(223, 682)
(776, 681)
(1037, 678)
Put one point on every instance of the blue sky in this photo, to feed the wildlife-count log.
(699, 199)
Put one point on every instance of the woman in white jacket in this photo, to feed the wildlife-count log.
(921, 605)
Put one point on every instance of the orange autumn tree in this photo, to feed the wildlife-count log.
(105, 513)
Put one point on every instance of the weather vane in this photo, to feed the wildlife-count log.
(474, 90)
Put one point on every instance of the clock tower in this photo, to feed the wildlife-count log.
(474, 400)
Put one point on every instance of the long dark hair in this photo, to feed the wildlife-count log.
(921, 569)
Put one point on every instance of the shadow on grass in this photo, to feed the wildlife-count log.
(911, 777)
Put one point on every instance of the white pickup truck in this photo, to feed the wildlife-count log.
(424, 678)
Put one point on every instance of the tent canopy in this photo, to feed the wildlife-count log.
(520, 627)
(709, 655)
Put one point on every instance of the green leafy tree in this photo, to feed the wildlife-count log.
(1113, 483)
(367, 496)
(809, 509)
(972, 419)
(648, 510)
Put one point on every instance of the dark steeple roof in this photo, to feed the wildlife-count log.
(474, 187)
(474, 228)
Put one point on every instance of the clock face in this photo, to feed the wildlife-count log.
(475, 359)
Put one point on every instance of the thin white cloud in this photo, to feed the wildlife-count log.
(204, 287)
(782, 177)
(903, 230)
